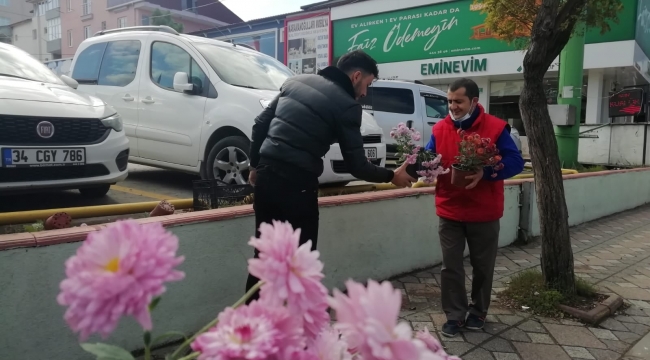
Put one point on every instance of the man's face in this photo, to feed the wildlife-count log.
(361, 82)
(459, 103)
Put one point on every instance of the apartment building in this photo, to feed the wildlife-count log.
(11, 12)
(83, 18)
(40, 33)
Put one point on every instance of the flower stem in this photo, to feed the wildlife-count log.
(147, 353)
(212, 323)
(191, 356)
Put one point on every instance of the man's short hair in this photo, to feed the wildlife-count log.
(471, 89)
(358, 60)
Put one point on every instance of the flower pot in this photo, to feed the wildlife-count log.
(58, 221)
(458, 176)
(412, 169)
(163, 208)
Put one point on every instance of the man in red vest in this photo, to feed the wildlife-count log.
(470, 214)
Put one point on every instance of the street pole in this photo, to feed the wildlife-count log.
(570, 93)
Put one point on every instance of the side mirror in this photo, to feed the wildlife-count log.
(181, 82)
(70, 81)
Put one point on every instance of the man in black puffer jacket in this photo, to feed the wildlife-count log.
(293, 134)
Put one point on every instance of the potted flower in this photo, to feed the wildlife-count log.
(474, 153)
(422, 163)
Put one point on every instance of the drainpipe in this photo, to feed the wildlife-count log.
(38, 32)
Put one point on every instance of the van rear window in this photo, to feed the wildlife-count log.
(392, 100)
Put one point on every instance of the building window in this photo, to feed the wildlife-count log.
(118, 60)
(86, 8)
(4, 2)
(47, 5)
(121, 22)
(69, 5)
(145, 20)
(69, 38)
(34, 34)
(4, 21)
(87, 32)
(54, 29)
(103, 25)
(189, 5)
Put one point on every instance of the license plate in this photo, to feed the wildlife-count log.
(14, 158)
(371, 153)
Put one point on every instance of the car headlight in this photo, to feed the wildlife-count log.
(265, 103)
(114, 122)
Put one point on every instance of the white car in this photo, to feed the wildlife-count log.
(52, 136)
(189, 103)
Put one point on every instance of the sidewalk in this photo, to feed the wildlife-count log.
(613, 253)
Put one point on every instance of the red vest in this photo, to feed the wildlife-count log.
(482, 203)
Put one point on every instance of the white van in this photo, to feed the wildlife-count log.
(413, 103)
(189, 103)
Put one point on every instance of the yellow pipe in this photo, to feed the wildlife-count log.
(22, 217)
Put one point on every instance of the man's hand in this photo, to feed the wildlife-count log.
(475, 179)
(252, 176)
(401, 178)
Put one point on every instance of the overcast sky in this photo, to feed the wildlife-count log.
(255, 9)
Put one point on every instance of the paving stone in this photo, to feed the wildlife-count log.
(541, 338)
(476, 337)
(541, 352)
(510, 319)
(611, 324)
(498, 345)
(625, 319)
(409, 279)
(491, 319)
(457, 338)
(643, 320)
(603, 334)
(638, 329)
(505, 356)
(515, 335)
(458, 348)
(494, 328)
(570, 322)
(496, 310)
(600, 354)
(626, 336)
(618, 346)
(574, 336)
(419, 317)
(478, 354)
(532, 326)
(578, 352)
(421, 325)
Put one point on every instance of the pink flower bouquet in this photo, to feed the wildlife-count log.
(422, 163)
(121, 270)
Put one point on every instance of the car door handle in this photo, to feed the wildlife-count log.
(128, 97)
(148, 100)
(431, 123)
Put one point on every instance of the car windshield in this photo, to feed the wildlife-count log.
(241, 67)
(19, 64)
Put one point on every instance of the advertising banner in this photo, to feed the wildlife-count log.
(307, 43)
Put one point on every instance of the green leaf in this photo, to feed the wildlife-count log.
(168, 335)
(107, 352)
(154, 303)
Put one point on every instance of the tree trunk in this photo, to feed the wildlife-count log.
(550, 33)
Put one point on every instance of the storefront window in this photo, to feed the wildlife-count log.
(264, 43)
(504, 100)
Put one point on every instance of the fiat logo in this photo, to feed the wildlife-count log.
(45, 129)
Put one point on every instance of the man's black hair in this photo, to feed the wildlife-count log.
(358, 60)
(471, 89)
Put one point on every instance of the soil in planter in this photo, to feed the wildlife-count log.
(458, 176)
(527, 289)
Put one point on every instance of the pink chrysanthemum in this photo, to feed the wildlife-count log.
(291, 274)
(330, 346)
(433, 344)
(367, 318)
(258, 331)
(116, 272)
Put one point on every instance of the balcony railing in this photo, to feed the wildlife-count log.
(86, 9)
(115, 3)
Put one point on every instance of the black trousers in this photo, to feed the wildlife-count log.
(277, 198)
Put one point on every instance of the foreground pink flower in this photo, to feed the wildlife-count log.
(433, 344)
(117, 271)
(254, 332)
(367, 318)
(291, 274)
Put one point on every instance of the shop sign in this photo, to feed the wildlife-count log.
(627, 102)
(308, 45)
(453, 67)
(441, 30)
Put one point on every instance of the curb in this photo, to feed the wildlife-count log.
(596, 315)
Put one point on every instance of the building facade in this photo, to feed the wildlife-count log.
(83, 18)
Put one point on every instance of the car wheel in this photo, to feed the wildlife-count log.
(95, 191)
(228, 161)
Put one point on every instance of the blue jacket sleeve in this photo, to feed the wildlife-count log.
(431, 145)
(511, 158)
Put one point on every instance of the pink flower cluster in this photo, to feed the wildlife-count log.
(432, 169)
(290, 320)
(411, 153)
(118, 271)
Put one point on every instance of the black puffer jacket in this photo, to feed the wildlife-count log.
(312, 112)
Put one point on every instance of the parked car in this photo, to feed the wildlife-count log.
(411, 102)
(189, 103)
(52, 136)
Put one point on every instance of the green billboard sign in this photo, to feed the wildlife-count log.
(441, 30)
